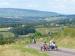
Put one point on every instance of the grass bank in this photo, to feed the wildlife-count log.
(19, 49)
(63, 37)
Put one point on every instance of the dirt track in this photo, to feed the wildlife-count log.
(60, 52)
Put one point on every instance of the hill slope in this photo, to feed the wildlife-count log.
(12, 12)
(13, 15)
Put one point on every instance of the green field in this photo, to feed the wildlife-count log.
(4, 29)
(46, 30)
(66, 35)
(63, 37)
(19, 50)
(5, 32)
(19, 47)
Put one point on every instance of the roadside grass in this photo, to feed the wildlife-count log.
(66, 42)
(69, 32)
(19, 49)
(29, 51)
(64, 38)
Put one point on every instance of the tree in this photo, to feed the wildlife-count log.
(23, 30)
(1, 39)
(38, 34)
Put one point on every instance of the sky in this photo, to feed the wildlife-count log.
(60, 6)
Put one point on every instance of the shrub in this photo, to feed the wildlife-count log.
(4, 40)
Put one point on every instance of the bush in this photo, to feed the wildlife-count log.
(38, 34)
(1, 39)
(23, 30)
(4, 40)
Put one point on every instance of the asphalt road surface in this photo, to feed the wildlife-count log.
(59, 52)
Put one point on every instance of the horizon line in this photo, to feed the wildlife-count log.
(40, 11)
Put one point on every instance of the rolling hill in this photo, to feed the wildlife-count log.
(13, 15)
(13, 12)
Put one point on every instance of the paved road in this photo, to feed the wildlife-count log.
(60, 52)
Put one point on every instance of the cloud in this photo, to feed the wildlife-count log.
(4, 4)
(61, 6)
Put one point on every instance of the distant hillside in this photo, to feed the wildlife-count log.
(13, 15)
(12, 12)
